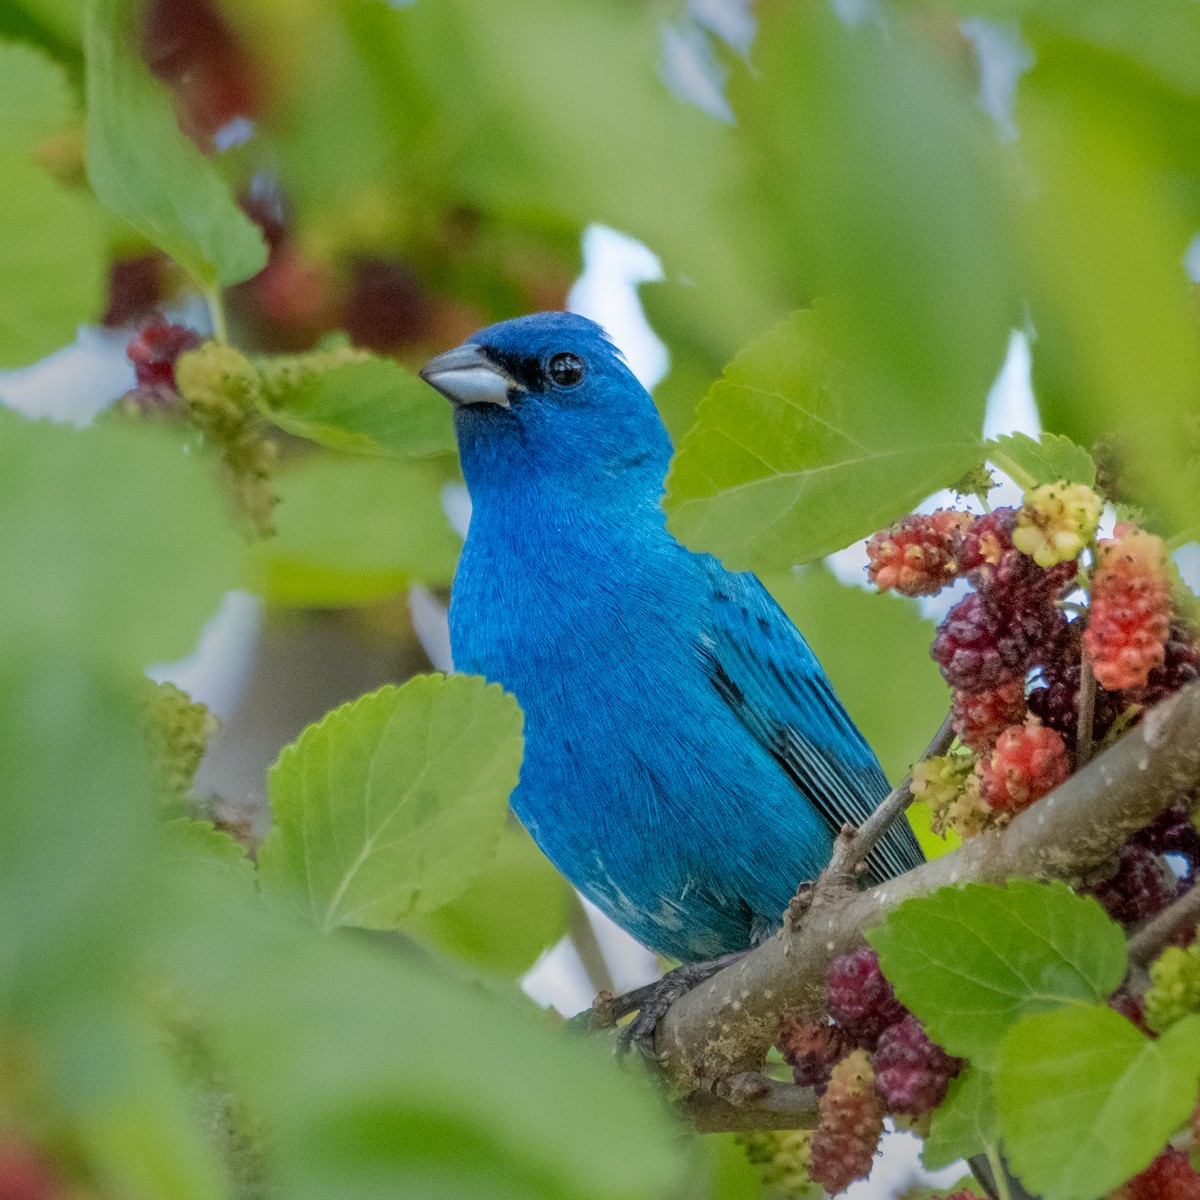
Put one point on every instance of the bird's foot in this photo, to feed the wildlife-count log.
(652, 1001)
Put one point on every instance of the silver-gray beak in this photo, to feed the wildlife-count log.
(465, 375)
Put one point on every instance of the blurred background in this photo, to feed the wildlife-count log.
(1005, 193)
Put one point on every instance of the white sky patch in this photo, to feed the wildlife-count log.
(1191, 259)
(74, 384)
(218, 669)
(614, 264)
(690, 68)
(1003, 57)
(431, 625)
(731, 20)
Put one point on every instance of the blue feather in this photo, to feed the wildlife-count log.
(687, 763)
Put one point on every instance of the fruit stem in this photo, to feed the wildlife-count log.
(1017, 474)
(216, 312)
(999, 1171)
(1087, 708)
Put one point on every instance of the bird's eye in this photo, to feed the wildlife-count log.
(565, 369)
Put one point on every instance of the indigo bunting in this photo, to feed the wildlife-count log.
(687, 763)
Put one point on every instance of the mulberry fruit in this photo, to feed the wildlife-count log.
(1173, 832)
(1001, 572)
(783, 1156)
(1180, 665)
(1028, 762)
(154, 351)
(915, 557)
(1056, 522)
(1130, 616)
(979, 647)
(1169, 1177)
(979, 718)
(1056, 704)
(1141, 886)
(950, 786)
(861, 1000)
(911, 1072)
(845, 1141)
(811, 1047)
(1174, 989)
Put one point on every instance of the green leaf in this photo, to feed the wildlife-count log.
(379, 1077)
(393, 802)
(852, 631)
(971, 961)
(1048, 460)
(1113, 151)
(145, 170)
(516, 909)
(369, 407)
(1086, 1100)
(965, 1122)
(887, 197)
(136, 1120)
(199, 845)
(52, 261)
(121, 542)
(35, 97)
(351, 530)
(77, 859)
(790, 458)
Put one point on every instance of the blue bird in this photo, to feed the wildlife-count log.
(687, 763)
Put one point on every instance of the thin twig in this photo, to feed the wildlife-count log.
(588, 948)
(1087, 710)
(1154, 935)
(854, 846)
(752, 1101)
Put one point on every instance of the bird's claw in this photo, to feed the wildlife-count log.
(652, 1002)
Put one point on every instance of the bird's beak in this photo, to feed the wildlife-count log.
(465, 375)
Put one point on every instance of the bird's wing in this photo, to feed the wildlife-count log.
(764, 670)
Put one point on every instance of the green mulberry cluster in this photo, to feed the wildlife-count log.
(784, 1159)
(1174, 990)
(177, 730)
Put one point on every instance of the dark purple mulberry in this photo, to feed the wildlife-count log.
(979, 648)
(911, 1072)
(1056, 704)
(861, 1000)
(1141, 886)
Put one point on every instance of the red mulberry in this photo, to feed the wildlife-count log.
(911, 1072)
(1130, 615)
(1028, 762)
(811, 1047)
(1169, 1177)
(979, 718)
(845, 1141)
(861, 1000)
(154, 351)
(1181, 664)
(916, 555)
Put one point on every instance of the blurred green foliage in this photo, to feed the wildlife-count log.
(843, 266)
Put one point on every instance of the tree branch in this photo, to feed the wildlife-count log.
(725, 1026)
(1155, 934)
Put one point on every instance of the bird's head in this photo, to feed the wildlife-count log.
(547, 401)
